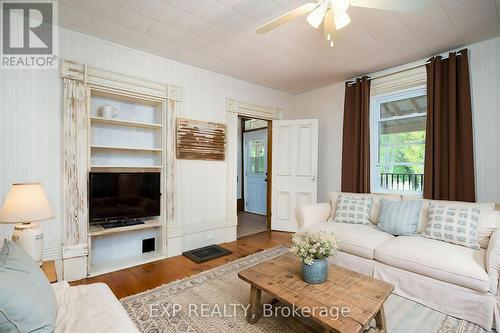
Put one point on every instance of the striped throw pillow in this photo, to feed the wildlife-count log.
(354, 210)
(399, 218)
(457, 225)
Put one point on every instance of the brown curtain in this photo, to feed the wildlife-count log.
(356, 137)
(449, 158)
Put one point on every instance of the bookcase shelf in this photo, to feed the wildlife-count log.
(126, 148)
(120, 122)
(152, 167)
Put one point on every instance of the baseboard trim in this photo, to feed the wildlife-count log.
(74, 251)
(195, 228)
(52, 253)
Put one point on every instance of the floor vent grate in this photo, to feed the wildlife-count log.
(206, 253)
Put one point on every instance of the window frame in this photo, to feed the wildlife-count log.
(375, 103)
(255, 158)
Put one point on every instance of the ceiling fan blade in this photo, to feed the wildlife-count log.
(341, 20)
(317, 15)
(406, 6)
(287, 17)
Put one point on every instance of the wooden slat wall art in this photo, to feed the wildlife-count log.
(200, 140)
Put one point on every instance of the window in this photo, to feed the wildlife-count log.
(257, 157)
(398, 141)
(252, 124)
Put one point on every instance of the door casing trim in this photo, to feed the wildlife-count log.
(235, 109)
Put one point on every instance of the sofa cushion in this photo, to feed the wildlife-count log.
(354, 210)
(357, 239)
(486, 224)
(375, 210)
(439, 260)
(399, 218)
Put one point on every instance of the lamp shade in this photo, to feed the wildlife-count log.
(26, 203)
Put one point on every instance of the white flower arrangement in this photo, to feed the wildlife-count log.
(310, 246)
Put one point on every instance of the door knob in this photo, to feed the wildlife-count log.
(313, 178)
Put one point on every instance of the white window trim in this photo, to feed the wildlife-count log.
(375, 103)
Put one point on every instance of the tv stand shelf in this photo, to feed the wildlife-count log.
(97, 230)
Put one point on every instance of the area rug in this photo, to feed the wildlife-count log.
(214, 301)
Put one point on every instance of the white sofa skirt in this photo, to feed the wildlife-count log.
(464, 303)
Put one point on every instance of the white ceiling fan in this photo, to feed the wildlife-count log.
(333, 13)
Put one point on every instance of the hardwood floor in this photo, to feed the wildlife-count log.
(141, 278)
(249, 223)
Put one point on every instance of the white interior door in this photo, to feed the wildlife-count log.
(295, 170)
(255, 171)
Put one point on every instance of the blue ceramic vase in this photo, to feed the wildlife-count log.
(315, 273)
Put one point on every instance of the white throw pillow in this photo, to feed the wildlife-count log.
(454, 225)
(354, 210)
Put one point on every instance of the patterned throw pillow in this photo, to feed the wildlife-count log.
(399, 218)
(457, 225)
(353, 210)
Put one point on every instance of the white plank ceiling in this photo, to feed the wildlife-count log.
(219, 35)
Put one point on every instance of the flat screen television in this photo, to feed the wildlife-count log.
(123, 195)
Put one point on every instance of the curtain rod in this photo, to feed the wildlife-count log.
(458, 54)
(397, 71)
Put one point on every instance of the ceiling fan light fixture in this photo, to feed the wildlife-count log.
(341, 19)
(316, 16)
(328, 25)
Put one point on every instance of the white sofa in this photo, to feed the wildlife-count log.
(452, 279)
(90, 308)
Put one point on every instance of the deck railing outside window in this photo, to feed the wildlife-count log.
(402, 182)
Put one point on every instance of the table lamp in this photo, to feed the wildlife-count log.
(26, 205)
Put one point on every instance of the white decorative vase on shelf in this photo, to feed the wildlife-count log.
(108, 111)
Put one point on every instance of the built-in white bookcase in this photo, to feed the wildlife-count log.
(131, 139)
(137, 137)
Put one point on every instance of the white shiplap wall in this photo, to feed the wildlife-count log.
(327, 104)
(31, 141)
(31, 129)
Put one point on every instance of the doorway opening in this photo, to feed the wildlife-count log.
(254, 176)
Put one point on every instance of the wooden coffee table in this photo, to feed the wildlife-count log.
(281, 278)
